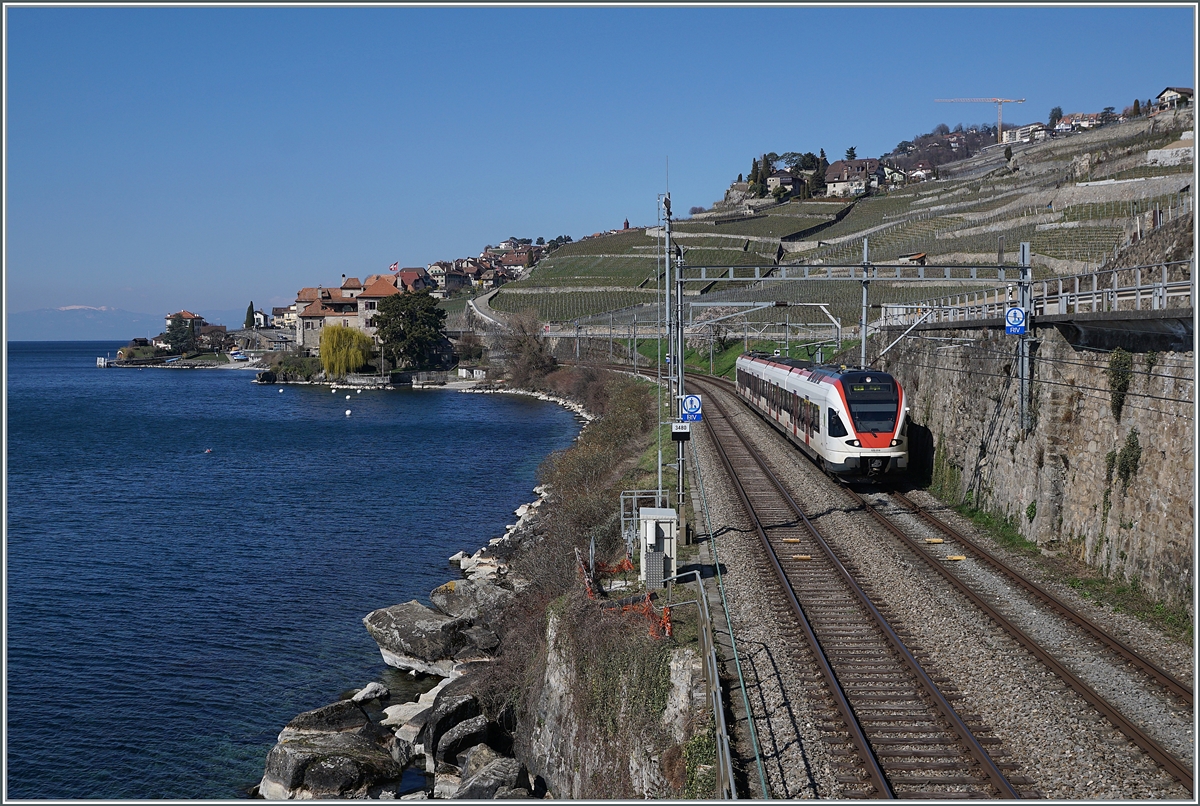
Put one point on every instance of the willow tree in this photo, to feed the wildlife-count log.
(343, 350)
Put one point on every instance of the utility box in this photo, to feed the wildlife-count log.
(658, 534)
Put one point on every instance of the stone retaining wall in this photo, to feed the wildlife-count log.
(1058, 483)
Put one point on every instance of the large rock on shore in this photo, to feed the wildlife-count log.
(480, 601)
(413, 636)
(486, 774)
(336, 751)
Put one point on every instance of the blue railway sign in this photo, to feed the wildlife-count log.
(1014, 322)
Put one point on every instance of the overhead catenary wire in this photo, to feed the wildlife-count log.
(1104, 392)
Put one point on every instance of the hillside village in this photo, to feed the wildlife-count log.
(806, 210)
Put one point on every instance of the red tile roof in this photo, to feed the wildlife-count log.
(184, 315)
(383, 287)
(352, 282)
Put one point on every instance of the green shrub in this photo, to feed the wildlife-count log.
(700, 756)
(1128, 458)
(1031, 511)
(1120, 373)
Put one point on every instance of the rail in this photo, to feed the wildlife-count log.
(1168, 762)
(1139, 288)
(988, 768)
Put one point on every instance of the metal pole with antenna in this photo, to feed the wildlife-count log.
(862, 361)
(679, 360)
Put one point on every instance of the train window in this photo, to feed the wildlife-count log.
(836, 429)
(873, 407)
(816, 417)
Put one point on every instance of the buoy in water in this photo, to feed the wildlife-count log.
(208, 450)
(359, 391)
(281, 391)
(347, 397)
(347, 412)
(334, 390)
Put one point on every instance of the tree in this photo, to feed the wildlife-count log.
(469, 347)
(249, 315)
(410, 327)
(739, 179)
(541, 241)
(1055, 116)
(941, 129)
(851, 153)
(1137, 108)
(1008, 153)
(180, 335)
(753, 178)
(343, 350)
(528, 356)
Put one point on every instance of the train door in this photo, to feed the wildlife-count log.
(806, 418)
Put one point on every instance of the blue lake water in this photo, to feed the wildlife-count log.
(169, 610)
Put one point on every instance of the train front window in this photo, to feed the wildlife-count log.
(874, 403)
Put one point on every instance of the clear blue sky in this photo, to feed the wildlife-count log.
(166, 158)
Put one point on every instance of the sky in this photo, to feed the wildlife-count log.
(203, 157)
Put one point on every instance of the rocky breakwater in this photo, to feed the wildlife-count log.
(360, 747)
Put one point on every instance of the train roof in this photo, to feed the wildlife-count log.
(837, 372)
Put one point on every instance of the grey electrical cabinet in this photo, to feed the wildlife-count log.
(658, 534)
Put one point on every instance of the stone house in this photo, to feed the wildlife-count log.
(1033, 133)
(921, 171)
(781, 179)
(318, 307)
(853, 177)
(194, 320)
(1173, 97)
(415, 279)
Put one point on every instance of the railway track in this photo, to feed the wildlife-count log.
(953, 543)
(934, 556)
(893, 728)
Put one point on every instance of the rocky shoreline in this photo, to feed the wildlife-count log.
(360, 747)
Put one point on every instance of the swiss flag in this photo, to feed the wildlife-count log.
(394, 267)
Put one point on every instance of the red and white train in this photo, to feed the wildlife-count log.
(850, 421)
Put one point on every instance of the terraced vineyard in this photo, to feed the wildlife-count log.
(1043, 197)
(770, 226)
(567, 306)
(592, 270)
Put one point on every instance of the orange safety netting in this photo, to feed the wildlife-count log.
(660, 626)
(626, 564)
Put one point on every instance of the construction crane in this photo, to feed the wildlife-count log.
(999, 102)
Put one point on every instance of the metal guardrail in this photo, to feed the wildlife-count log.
(1139, 288)
(712, 679)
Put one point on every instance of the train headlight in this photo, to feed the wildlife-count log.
(895, 442)
(854, 442)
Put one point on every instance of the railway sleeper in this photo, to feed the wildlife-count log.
(946, 741)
